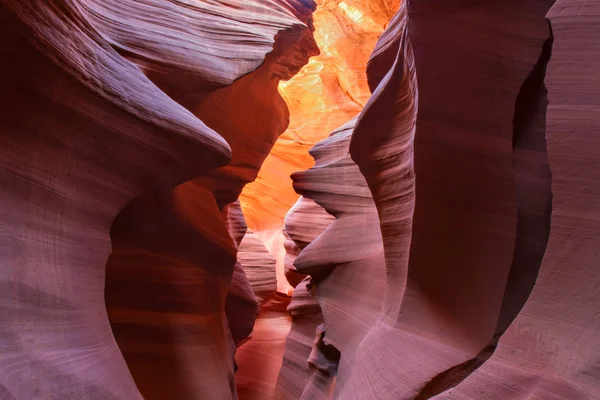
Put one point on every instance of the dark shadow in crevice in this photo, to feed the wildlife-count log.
(455, 375)
(533, 181)
(534, 200)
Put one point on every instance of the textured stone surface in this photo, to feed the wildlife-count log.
(549, 352)
(449, 254)
(258, 265)
(85, 133)
(259, 359)
(191, 242)
(305, 221)
(327, 93)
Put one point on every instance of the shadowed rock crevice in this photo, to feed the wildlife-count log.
(533, 181)
(534, 199)
(453, 376)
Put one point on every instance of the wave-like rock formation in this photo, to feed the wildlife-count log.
(242, 305)
(463, 271)
(258, 265)
(549, 350)
(305, 221)
(327, 93)
(338, 261)
(86, 133)
(298, 378)
(189, 256)
(444, 245)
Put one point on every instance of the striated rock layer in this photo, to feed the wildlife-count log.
(465, 223)
(184, 262)
(449, 254)
(86, 133)
(327, 93)
(549, 351)
(297, 377)
(482, 213)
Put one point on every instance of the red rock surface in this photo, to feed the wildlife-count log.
(189, 256)
(258, 265)
(259, 359)
(86, 133)
(444, 244)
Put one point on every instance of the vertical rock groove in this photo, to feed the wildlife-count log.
(549, 350)
(534, 200)
(533, 185)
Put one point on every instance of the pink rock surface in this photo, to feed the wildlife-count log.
(549, 351)
(241, 305)
(339, 259)
(382, 146)
(448, 254)
(86, 133)
(305, 221)
(259, 359)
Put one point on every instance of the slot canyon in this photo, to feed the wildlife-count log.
(300, 199)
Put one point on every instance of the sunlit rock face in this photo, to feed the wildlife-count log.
(349, 249)
(188, 256)
(327, 93)
(445, 244)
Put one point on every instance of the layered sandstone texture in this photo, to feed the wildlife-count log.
(326, 94)
(443, 232)
(107, 107)
(484, 249)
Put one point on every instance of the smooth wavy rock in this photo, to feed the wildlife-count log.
(182, 243)
(253, 287)
(259, 359)
(305, 221)
(162, 37)
(449, 309)
(550, 350)
(324, 95)
(381, 146)
(83, 133)
(241, 305)
(338, 261)
(259, 266)
(298, 379)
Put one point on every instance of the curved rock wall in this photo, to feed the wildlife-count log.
(188, 255)
(449, 254)
(87, 133)
(297, 379)
(323, 96)
(482, 210)
(549, 351)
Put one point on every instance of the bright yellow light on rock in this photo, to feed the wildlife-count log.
(324, 95)
(351, 12)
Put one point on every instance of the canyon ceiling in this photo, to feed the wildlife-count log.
(298, 199)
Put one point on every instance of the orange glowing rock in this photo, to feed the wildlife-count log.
(326, 93)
